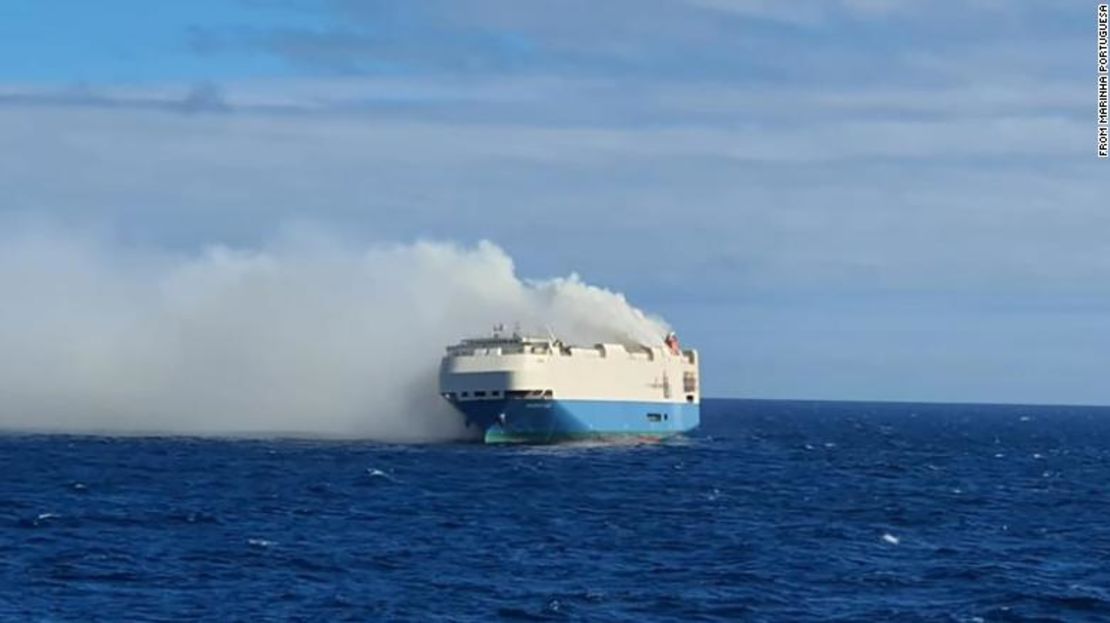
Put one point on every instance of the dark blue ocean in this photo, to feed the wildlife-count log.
(774, 511)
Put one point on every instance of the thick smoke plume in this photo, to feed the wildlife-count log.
(304, 337)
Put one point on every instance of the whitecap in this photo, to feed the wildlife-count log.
(372, 472)
(259, 542)
(890, 538)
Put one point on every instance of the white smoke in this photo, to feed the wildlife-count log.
(303, 337)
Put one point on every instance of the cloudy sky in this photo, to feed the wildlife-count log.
(850, 199)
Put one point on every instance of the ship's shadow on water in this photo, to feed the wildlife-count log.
(772, 511)
(599, 445)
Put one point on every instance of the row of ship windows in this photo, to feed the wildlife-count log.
(512, 393)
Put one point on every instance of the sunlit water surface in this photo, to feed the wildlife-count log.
(774, 511)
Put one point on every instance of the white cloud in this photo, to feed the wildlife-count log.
(792, 198)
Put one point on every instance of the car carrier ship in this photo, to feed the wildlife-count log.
(522, 389)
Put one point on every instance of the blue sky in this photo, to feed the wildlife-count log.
(831, 198)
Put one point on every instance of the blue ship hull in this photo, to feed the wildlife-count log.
(553, 421)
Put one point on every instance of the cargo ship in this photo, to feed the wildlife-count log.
(514, 388)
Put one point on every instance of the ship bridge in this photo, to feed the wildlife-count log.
(514, 344)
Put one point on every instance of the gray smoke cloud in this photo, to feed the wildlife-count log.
(305, 336)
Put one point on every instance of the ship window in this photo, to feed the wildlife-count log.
(547, 394)
(689, 381)
(480, 394)
(495, 393)
(689, 398)
(655, 417)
